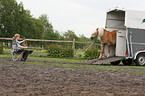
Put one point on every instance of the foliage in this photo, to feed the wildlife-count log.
(48, 28)
(91, 53)
(82, 38)
(15, 19)
(70, 35)
(59, 51)
(1, 48)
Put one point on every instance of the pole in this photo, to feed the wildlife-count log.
(73, 46)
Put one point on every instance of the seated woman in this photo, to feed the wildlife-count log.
(16, 47)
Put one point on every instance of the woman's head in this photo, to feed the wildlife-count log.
(16, 36)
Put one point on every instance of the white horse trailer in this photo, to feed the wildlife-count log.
(130, 38)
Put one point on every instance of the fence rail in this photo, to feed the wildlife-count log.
(73, 42)
(51, 41)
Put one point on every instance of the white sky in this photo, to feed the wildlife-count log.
(80, 16)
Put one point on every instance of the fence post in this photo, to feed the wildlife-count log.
(3, 43)
(42, 47)
(73, 46)
(9, 44)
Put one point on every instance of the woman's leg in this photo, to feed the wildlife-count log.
(25, 55)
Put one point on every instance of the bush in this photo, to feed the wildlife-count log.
(91, 53)
(1, 48)
(59, 51)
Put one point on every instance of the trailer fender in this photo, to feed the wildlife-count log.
(138, 52)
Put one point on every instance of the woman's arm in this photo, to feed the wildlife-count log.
(23, 47)
(22, 41)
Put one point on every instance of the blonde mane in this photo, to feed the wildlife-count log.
(100, 32)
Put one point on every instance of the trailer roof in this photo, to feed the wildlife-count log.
(133, 18)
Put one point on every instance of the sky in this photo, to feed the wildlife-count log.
(80, 16)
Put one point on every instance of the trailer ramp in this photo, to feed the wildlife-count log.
(104, 60)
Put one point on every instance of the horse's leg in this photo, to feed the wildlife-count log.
(108, 49)
(102, 49)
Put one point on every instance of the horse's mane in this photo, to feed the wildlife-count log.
(100, 32)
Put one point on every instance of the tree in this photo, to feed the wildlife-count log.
(8, 24)
(0, 17)
(48, 28)
(70, 35)
(15, 19)
(83, 38)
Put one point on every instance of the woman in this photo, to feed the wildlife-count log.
(16, 47)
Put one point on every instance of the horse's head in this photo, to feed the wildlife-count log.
(95, 34)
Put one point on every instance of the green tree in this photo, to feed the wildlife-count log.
(48, 28)
(15, 19)
(35, 29)
(0, 17)
(70, 35)
(57, 35)
(8, 24)
(83, 38)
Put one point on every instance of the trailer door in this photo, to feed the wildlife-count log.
(121, 43)
(115, 20)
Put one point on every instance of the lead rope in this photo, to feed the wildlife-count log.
(90, 45)
(19, 55)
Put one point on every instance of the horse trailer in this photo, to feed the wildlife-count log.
(130, 38)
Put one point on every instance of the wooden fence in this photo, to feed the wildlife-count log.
(73, 42)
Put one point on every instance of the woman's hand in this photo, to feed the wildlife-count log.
(24, 40)
(26, 47)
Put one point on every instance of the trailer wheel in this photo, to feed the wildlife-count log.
(140, 59)
(115, 63)
(127, 62)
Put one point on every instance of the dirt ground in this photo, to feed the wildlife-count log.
(22, 79)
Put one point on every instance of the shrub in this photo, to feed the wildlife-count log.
(1, 48)
(91, 53)
(59, 51)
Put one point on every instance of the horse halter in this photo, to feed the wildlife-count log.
(95, 34)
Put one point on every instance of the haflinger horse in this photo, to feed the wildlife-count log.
(106, 37)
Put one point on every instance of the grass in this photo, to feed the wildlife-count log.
(73, 63)
(42, 54)
(141, 73)
(79, 52)
(113, 70)
(138, 68)
(73, 60)
(131, 73)
(33, 63)
(5, 55)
